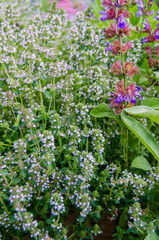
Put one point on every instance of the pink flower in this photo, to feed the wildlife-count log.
(111, 31)
(129, 69)
(116, 68)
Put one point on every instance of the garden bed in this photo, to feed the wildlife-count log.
(79, 110)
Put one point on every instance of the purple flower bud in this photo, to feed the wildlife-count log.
(104, 17)
(139, 88)
(138, 14)
(144, 40)
(151, 12)
(133, 100)
(147, 25)
(140, 5)
(119, 99)
(121, 22)
(157, 35)
(157, 17)
(109, 47)
(117, 3)
(127, 98)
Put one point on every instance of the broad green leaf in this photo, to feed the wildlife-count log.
(141, 163)
(144, 111)
(45, 5)
(151, 102)
(103, 110)
(143, 134)
(152, 236)
(138, 110)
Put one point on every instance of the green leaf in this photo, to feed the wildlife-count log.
(152, 236)
(103, 110)
(45, 5)
(143, 134)
(151, 102)
(144, 111)
(123, 219)
(48, 95)
(4, 172)
(18, 118)
(15, 181)
(5, 196)
(141, 163)
(156, 74)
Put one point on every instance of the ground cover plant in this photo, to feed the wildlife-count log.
(72, 94)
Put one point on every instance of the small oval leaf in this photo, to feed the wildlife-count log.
(103, 110)
(141, 163)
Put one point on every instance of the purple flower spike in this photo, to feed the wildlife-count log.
(121, 22)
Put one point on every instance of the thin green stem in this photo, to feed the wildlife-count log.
(8, 145)
(122, 63)
(17, 123)
(1, 200)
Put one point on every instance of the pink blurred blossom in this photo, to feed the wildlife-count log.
(70, 7)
